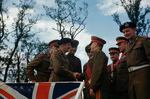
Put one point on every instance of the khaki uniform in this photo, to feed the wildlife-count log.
(60, 65)
(75, 63)
(112, 74)
(138, 54)
(122, 78)
(86, 77)
(99, 77)
(40, 64)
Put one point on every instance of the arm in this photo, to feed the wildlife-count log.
(32, 66)
(59, 63)
(80, 68)
(146, 45)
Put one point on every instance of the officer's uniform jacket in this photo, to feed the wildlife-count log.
(138, 61)
(60, 65)
(99, 77)
(122, 76)
(75, 63)
(112, 74)
(138, 51)
(40, 64)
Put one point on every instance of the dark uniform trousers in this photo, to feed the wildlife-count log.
(139, 85)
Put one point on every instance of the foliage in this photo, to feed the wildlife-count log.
(136, 14)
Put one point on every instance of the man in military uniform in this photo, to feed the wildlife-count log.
(112, 69)
(99, 77)
(75, 62)
(60, 63)
(87, 71)
(41, 65)
(138, 61)
(121, 85)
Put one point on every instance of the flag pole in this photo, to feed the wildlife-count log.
(79, 92)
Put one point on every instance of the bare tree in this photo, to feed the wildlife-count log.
(17, 59)
(3, 32)
(69, 15)
(2, 25)
(30, 49)
(136, 14)
(23, 27)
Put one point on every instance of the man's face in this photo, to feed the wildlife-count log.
(89, 55)
(72, 50)
(114, 56)
(122, 46)
(66, 47)
(52, 48)
(129, 32)
(93, 47)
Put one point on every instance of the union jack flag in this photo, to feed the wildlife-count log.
(42, 90)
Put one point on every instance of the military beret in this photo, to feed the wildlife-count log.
(87, 48)
(100, 41)
(64, 41)
(53, 43)
(121, 39)
(113, 50)
(127, 25)
(75, 43)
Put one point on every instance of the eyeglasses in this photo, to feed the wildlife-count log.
(113, 53)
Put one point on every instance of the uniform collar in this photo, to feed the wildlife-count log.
(133, 39)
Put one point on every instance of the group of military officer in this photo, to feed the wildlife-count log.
(55, 65)
(127, 77)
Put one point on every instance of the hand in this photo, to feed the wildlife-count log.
(89, 81)
(91, 92)
(87, 85)
(76, 74)
(33, 81)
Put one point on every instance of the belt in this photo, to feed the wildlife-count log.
(134, 68)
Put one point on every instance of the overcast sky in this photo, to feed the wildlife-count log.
(99, 23)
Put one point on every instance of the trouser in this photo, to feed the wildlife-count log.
(98, 95)
(104, 95)
(139, 84)
(122, 96)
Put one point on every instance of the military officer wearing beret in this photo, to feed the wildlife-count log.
(75, 62)
(99, 77)
(41, 65)
(122, 70)
(112, 69)
(60, 63)
(138, 61)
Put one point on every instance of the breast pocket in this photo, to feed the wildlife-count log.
(137, 52)
(138, 45)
